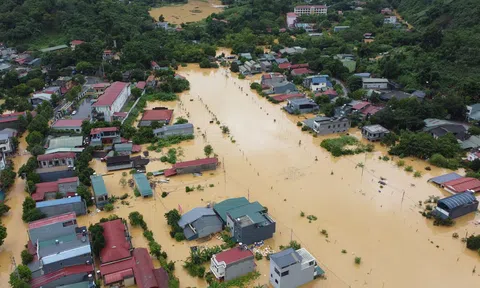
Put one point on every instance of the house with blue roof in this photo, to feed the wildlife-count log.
(200, 222)
(142, 184)
(61, 206)
(317, 83)
(290, 268)
(456, 205)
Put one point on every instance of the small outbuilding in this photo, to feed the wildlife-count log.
(374, 132)
(142, 184)
(99, 190)
(456, 205)
(200, 222)
(233, 263)
(119, 163)
(439, 180)
(193, 166)
(301, 105)
(174, 130)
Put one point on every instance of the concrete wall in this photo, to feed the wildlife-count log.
(375, 85)
(68, 187)
(116, 106)
(82, 259)
(56, 162)
(372, 136)
(239, 269)
(51, 231)
(332, 127)
(196, 169)
(79, 208)
(250, 234)
(74, 129)
(463, 210)
(295, 278)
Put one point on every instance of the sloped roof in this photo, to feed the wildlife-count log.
(47, 157)
(64, 272)
(194, 215)
(444, 178)
(68, 123)
(116, 245)
(251, 210)
(233, 255)
(143, 184)
(157, 115)
(458, 200)
(65, 142)
(42, 188)
(104, 129)
(195, 162)
(56, 202)
(111, 94)
(52, 220)
(285, 258)
(143, 269)
(463, 184)
(98, 185)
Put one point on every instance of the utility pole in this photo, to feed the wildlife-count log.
(224, 176)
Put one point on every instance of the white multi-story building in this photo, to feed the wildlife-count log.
(310, 9)
(111, 101)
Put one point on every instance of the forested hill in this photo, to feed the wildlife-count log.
(451, 35)
(64, 20)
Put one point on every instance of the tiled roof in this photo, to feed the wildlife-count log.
(117, 276)
(42, 188)
(283, 97)
(196, 162)
(111, 94)
(157, 115)
(68, 123)
(141, 85)
(284, 65)
(67, 180)
(77, 42)
(233, 255)
(48, 157)
(52, 220)
(301, 71)
(64, 272)
(463, 184)
(360, 105)
(144, 276)
(100, 85)
(116, 245)
(104, 129)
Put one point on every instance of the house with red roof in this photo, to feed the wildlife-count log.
(141, 85)
(118, 245)
(366, 109)
(48, 190)
(233, 263)
(105, 135)
(111, 101)
(74, 125)
(75, 43)
(161, 116)
(10, 120)
(461, 185)
(99, 88)
(194, 166)
(301, 71)
(283, 97)
(151, 82)
(108, 54)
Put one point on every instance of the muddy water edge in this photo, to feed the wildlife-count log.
(261, 159)
(194, 10)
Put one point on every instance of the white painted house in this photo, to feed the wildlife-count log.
(111, 101)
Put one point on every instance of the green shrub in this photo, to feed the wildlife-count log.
(358, 260)
(473, 242)
(136, 192)
(211, 185)
(299, 124)
(124, 196)
(241, 76)
(189, 189)
(258, 256)
(417, 174)
(108, 207)
(26, 257)
(164, 194)
(440, 161)
(409, 169)
(344, 251)
(385, 158)
(302, 214)
(400, 163)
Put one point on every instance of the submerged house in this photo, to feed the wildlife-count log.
(301, 105)
(111, 101)
(49, 190)
(99, 190)
(173, 130)
(290, 268)
(103, 136)
(200, 222)
(230, 264)
(162, 116)
(374, 132)
(119, 163)
(464, 184)
(194, 166)
(456, 205)
(68, 124)
(56, 159)
(328, 125)
(61, 206)
(143, 185)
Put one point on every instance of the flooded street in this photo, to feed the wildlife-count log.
(194, 10)
(262, 160)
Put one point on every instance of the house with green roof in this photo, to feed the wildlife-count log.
(142, 184)
(248, 222)
(99, 190)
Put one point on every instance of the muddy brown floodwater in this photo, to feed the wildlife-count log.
(194, 10)
(262, 160)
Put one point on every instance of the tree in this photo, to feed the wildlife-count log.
(3, 234)
(85, 193)
(181, 120)
(123, 182)
(34, 138)
(172, 217)
(208, 150)
(234, 67)
(98, 240)
(108, 207)
(84, 67)
(22, 90)
(36, 84)
(4, 208)
(80, 79)
(30, 212)
(39, 124)
(115, 76)
(136, 92)
(354, 83)
(26, 257)
(474, 130)
(7, 178)
(161, 18)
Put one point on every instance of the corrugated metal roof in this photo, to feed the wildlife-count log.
(458, 200)
(62, 150)
(229, 204)
(52, 220)
(123, 147)
(67, 254)
(56, 202)
(444, 178)
(98, 185)
(143, 184)
(285, 258)
(194, 214)
(251, 210)
(173, 127)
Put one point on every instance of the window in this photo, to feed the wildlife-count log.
(285, 273)
(276, 281)
(345, 125)
(311, 263)
(276, 271)
(271, 275)
(328, 126)
(68, 223)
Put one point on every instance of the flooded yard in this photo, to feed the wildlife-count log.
(194, 10)
(262, 160)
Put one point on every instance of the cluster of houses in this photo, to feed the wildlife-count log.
(249, 225)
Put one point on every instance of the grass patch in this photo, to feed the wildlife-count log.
(400, 163)
(409, 169)
(345, 145)
(358, 260)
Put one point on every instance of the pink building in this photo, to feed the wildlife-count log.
(291, 19)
